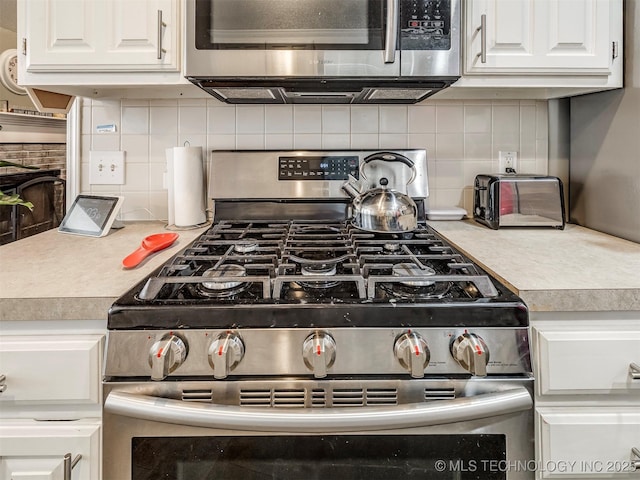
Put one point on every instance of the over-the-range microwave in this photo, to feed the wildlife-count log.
(322, 51)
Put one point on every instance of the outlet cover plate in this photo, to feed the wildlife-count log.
(106, 168)
(507, 159)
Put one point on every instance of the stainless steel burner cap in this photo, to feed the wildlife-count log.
(413, 270)
(324, 270)
(230, 270)
(246, 245)
(391, 247)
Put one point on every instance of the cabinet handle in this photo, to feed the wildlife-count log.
(161, 24)
(634, 371)
(69, 464)
(635, 458)
(3, 378)
(483, 38)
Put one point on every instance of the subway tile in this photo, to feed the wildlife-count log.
(392, 140)
(506, 118)
(477, 118)
(279, 141)
(158, 145)
(425, 141)
(221, 142)
(105, 114)
(364, 141)
(134, 102)
(477, 146)
(136, 206)
(221, 120)
(135, 120)
(250, 120)
(278, 119)
(136, 177)
(336, 119)
(450, 174)
(250, 142)
(105, 142)
(473, 168)
(136, 148)
(364, 119)
(163, 120)
(192, 120)
(158, 205)
(157, 172)
(307, 119)
(307, 141)
(450, 118)
(393, 119)
(449, 146)
(192, 140)
(422, 119)
(450, 197)
(336, 141)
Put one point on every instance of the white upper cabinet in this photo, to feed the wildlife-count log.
(560, 37)
(98, 35)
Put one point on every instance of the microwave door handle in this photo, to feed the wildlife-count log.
(342, 419)
(391, 33)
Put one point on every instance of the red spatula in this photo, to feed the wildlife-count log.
(151, 244)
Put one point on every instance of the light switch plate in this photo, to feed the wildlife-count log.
(106, 168)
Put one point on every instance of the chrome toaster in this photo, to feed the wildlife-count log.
(518, 200)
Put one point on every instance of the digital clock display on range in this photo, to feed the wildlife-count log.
(318, 167)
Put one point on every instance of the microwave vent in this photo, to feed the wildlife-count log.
(387, 94)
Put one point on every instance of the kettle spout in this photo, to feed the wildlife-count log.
(352, 187)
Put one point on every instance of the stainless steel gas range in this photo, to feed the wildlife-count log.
(286, 343)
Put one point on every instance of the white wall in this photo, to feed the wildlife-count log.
(462, 138)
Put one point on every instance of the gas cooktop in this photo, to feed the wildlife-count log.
(283, 268)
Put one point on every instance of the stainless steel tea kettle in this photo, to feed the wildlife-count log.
(382, 209)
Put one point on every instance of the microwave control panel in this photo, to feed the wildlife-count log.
(425, 24)
(317, 167)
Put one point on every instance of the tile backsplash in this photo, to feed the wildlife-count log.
(462, 139)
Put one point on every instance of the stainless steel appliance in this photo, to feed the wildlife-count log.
(518, 200)
(287, 343)
(329, 51)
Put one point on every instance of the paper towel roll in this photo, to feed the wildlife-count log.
(185, 182)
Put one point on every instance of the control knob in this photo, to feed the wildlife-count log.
(319, 353)
(225, 353)
(166, 355)
(472, 353)
(412, 352)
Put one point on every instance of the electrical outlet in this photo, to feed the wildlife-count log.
(106, 168)
(507, 161)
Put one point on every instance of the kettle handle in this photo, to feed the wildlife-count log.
(389, 157)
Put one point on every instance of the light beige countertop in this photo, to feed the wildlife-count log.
(57, 276)
(53, 276)
(575, 269)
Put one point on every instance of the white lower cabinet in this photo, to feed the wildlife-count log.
(50, 407)
(32, 450)
(588, 442)
(587, 394)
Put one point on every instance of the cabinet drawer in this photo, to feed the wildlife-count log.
(35, 450)
(587, 362)
(51, 369)
(587, 442)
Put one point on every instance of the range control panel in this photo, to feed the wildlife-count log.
(317, 167)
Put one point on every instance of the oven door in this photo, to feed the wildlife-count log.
(147, 435)
(292, 38)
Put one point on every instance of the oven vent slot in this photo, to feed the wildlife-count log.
(288, 398)
(439, 393)
(318, 398)
(273, 398)
(358, 397)
(203, 395)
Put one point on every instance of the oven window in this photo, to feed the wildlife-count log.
(287, 24)
(323, 457)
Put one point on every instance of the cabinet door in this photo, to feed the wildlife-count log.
(587, 362)
(50, 369)
(540, 37)
(32, 451)
(587, 443)
(94, 35)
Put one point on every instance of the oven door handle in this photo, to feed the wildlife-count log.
(342, 419)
